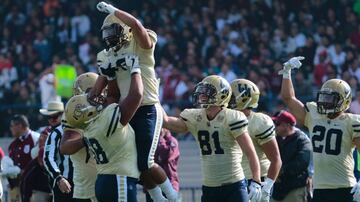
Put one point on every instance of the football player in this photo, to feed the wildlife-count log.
(333, 135)
(219, 132)
(73, 145)
(126, 38)
(111, 139)
(245, 98)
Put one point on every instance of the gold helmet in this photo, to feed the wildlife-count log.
(115, 32)
(245, 94)
(79, 112)
(84, 83)
(212, 91)
(333, 97)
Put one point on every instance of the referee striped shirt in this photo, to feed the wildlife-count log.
(56, 163)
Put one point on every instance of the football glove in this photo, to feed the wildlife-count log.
(106, 8)
(254, 191)
(293, 63)
(106, 69)
(132, 62)
(266, 189)
(356, 191)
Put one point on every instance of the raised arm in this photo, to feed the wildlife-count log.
(133, 100)
(287, 93)
(139, 32)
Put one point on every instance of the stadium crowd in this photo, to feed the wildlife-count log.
(242, 38)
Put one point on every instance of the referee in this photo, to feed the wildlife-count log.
(59, 167)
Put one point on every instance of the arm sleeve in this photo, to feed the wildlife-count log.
(266, 130)
(238, 123)
(302, 158)
(50, 154)
(188, 116)
(355, 126)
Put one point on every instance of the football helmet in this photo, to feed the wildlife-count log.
(115, 33)
(84, 83)
(245, 94)
(212, 91)
(79, 112)
(333, 97)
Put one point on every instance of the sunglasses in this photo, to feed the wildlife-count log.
(53, 116)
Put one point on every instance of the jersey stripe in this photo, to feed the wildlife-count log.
(112, 121)
(236, 123)
(237, 127)
(264, 137)
(266, 132)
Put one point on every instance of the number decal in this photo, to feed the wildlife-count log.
(98, 151)
(332, 140)
(204, 141)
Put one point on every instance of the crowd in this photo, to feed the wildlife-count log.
(231, 38)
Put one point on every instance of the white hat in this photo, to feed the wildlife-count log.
(52, 108)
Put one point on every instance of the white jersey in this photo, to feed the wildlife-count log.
(220, 152)
(332, 141)
(261, 130)
(146, 62)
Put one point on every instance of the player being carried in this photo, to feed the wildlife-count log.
(245, 98)
(127, 41)
(219, 132)
(333, 135)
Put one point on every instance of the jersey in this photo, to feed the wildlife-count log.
(220, 153)
(112, 144)
(84, 169)
(146, 62)
(261, 130)
(332, 147)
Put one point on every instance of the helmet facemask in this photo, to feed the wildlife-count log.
(329, 102)
(204, 95)
(113, 35)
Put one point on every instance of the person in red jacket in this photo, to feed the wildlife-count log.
(167, 156)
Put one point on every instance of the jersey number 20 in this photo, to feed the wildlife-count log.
(204, 141)
(332, 140)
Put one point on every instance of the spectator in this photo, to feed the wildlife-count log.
(355, 104)
(295, 150)
(35, 186)
(58, 166)
(20, 149)
(167, 156)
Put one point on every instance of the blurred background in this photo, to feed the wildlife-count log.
(232, 38)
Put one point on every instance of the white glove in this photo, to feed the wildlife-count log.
(293, 63)
(8, 167)
(132, 62)
(106, 8)
(266, 189)
(34, 152)
(356, 191)
(254, 191)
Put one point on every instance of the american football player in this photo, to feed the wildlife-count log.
(72, 144)
(333, 131)
(126, 38)
(219, 132)
(245, 98)
(111, 139)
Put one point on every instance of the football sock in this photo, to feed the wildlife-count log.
(156, 194)
(169, 191)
